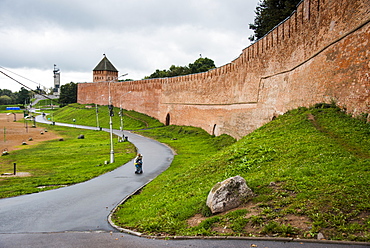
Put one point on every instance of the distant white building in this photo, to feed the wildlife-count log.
(56, 90)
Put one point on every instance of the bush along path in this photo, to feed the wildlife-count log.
(309, 169)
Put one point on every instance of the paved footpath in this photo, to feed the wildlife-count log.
(76, 216)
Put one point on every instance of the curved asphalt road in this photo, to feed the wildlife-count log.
(84, 206)
(76, 216)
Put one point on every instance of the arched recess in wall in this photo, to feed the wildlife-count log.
(214, 129)
(168, 119)
(276, 115)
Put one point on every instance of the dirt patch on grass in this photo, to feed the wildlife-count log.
(250, 206)
(253, 209)
(256, 220)
(18, 174)
(301, 222)
(196, 220)
(13, 134)
(222, 230)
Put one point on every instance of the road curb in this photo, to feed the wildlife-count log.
(120, 203)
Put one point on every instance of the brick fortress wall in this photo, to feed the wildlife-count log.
(319, 54)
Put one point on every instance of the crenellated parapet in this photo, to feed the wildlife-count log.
(319, 54)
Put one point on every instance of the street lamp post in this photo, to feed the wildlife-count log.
(111, 133)
(121, 116)
(97, 116)
(111, 114)
(121, 110)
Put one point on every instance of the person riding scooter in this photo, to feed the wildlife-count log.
(139, 164)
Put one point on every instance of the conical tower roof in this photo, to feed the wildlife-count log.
(105, 65)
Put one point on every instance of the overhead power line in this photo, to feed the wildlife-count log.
(25, 85)
(22, 77)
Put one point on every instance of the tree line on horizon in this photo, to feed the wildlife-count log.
(199, 65)
(8, 97)
(68, 94)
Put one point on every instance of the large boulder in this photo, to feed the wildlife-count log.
(228, 194)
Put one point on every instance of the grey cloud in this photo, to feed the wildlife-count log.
(122, 15)
(138, 36)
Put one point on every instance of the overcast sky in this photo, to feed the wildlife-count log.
(138, 37)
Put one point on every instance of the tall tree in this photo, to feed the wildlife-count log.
(4, 100)
(202, 65)
(178, 71)
(68, 94)
(270, 13)
(6, 95)
(5, 92)
(23, 96)
(199, 65)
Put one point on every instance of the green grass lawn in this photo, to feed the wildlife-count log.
(47, 103)
(55, 163)
(3, 108)
(308, 168)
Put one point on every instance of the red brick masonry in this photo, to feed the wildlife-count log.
(320, 54)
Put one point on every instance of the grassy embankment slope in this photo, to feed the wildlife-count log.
(308, 168)
(86, 115)
(47, 104)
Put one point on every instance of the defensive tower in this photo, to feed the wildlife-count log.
(105, 71)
